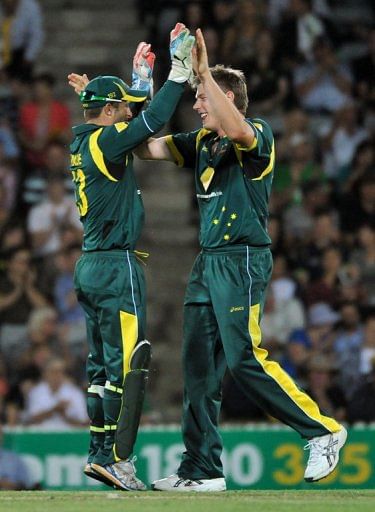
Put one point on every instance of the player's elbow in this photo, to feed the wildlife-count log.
(242, 136)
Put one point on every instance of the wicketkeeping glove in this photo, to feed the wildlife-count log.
(181, 45)
(143, 65)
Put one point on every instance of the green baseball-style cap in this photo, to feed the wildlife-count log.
(107, 89)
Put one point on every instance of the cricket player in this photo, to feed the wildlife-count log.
(233, 159)
(109, 281)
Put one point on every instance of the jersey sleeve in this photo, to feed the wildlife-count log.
(183, 147)
(258, 159)
(121, 138)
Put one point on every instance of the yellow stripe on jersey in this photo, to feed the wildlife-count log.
(202, 132)
(120, 127)
(206, 177)
(97, 154)
(273, 369)
(179, 159)
(270, 165)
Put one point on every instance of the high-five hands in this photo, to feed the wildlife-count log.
(200, 58)
(180, 48)
(78, 82)
(143, 66)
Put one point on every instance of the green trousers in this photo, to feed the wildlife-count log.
(223, 306)
(110, 287)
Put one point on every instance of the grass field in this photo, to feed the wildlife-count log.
(231, 501)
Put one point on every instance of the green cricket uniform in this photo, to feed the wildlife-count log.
(226, 293)
(109, 281)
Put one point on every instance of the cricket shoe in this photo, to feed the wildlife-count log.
(174, 483)
(324, 454)
(120, 475)
(93, 474)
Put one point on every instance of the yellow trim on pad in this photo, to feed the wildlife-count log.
(273, 369)
(129, 335)
(97, 154)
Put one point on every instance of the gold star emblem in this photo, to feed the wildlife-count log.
(229, 224)
(216, 221)
(226, 237)
(233, 216)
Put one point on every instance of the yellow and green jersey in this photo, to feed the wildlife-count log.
(107, 196)
(233, 184)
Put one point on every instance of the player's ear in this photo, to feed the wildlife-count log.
(108, 110)
(230, 95)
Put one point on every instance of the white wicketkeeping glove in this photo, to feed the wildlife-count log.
(181, 45)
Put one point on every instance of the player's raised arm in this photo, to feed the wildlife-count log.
(232, 121)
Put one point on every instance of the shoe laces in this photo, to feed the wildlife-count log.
(316, 450)
(129, 468)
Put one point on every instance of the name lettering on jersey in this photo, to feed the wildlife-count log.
(209, 196)
(236, 308)
(76, 160)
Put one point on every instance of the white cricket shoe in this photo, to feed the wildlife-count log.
(120, 475)
(324, 454)
(174, 483)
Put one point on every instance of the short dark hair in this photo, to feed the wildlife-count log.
(93, 113)
(230, 79)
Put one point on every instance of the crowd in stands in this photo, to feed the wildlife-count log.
(311, 75)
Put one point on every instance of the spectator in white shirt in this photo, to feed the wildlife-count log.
(55, 403)
(48, 219)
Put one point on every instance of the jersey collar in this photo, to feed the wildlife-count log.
(85, 128)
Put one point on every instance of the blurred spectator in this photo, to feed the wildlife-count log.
(42, 120)
(364, 73)
(22, 36)
(55, 403)
(18, 297)
(223, 20)
(295, 121)
(47, 220)
(300, 168)
(284, 311)
(9, 149)
(267, 83)
(299, 218)
(358, 205)
(299, 31)
(323, 85)
(321, 322)
(341, 143)
(12, 236)
(14, 475)
(367, 353)
(71, 317)
(238, 48)
(362, 164)
(363, 260)
(56, 163)
(326, 287)
(8, 179)
(362, 403)
(322, 388)
(347, 345)
(325, 233)
(296, 357)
